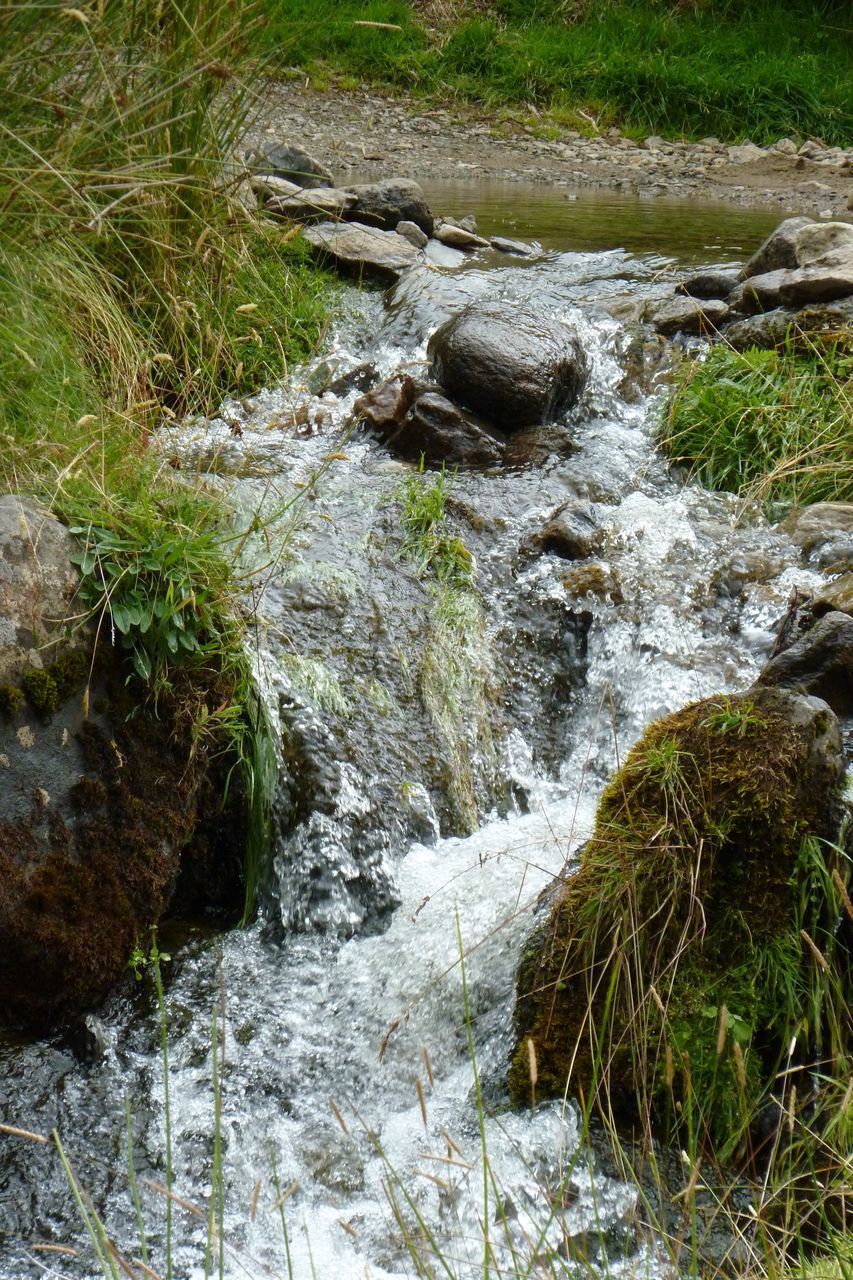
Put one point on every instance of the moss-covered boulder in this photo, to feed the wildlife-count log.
(110, 814)
(698, 936)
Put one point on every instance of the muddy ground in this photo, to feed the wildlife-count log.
(364, 135)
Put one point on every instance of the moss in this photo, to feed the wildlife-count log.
(46, 688)
(11, 700)
(40, 688)
(670, 967)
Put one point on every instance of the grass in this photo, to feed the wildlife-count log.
(137, 286)
(774, 426)
(718, 68)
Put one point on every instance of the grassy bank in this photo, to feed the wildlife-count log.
(734, 71)
(135, 287)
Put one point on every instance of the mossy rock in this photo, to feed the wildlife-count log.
(671, 967)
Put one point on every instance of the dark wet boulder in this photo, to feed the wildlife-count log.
(537, 446)
(570, 533)
(647, 980)
(509, 363)
(284, 160)
(384, 204)
(708, 284)
(93, 847)
(819, 663)
(414, 420)
(362, 251)
(686, 315)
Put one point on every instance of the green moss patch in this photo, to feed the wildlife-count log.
(698, 937)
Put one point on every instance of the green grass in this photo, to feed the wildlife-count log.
(772, 425)
(734, 71)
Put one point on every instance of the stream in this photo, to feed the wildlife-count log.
(441, 760)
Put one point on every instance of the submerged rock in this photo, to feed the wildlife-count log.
(360, 250)
(509, 363)
(570, 532)
(657, 971)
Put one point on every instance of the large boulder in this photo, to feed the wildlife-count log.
(92, 844)
(779, 250)
(508, 363)
(828, 324)
(313, 204)
(284, 160)
(384, 204)
(363, 251)
(796, 287)
(659, 972)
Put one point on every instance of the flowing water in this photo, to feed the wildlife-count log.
(441, 760)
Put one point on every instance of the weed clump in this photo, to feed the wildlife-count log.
(696, 951)
(773, 425)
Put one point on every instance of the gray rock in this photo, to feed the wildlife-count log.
(827, 244)
(821, 663)
(284, 160)
(517, 248)
(778, 250)
(813, 525)
(793, 288)
(774, 329)
(709, 284)
(745, 153)
(360, 250)
(37, 586)
(570, 533)
(411, 231)
(686, 315)
(316, 204)
(443, 433)
(509, 363)
(458, 237)
(266, 185)
(384, 204)
(785, 147)
(442, 255)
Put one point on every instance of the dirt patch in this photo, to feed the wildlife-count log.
(372, 136)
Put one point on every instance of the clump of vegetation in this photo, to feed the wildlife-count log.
(652, 66)
(697, 951)
(426, 540)
(772, 425)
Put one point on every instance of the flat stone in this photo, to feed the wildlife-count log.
(746, 153)
(517, 248)
(360, 250)
(266, 185)
(458, 237)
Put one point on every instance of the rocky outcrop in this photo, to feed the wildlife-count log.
(363, 251)
(93, 845)
(508, 364)
(647, 975)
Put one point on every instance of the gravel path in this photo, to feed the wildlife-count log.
(375, 137)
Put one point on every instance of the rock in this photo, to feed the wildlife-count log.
(266, 185)
(458, 237)
(283, 160)
(850, 200)
(444, 434)
(793, 288)
(411, 231)
(778, 250)
(361, 378)
(517, 248)
(684, 315)
(570, 533)
(37, 586)
(415, 420)
(746, 153)
(828, 324)
(93, 846)
(693, 870)
(443, 255)
(536, 446)
(360, 250)
(820, 663)
(311, 205)
(829, 244)
(708, 284)
(822, 525)
(836, 597)
(785, 147)
(508, 363)
(384, 204)
(468, 223)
